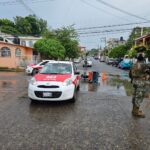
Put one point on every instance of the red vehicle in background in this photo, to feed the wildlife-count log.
(33, 69)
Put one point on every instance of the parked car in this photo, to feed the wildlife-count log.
(125, 64)
(56, 81)
(96, 57)
(87, 62)
(77, 60)
(110, 61)
(117, 61)
(102, 59)
(33, 69)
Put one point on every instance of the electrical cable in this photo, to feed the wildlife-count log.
(115, 25)
(102, 10)
(26, 7)
(103, 31)
(121, 10)
(15, 2)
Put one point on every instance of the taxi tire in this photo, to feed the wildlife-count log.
(33, 101)
(74, 96)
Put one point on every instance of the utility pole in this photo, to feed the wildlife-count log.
(141, 31)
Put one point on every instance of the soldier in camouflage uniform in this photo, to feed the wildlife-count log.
(139, 76)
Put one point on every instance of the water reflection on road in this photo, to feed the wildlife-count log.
(113, 84)
(8, 81)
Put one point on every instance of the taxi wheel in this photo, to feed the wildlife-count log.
(33, 101)
(74, 96)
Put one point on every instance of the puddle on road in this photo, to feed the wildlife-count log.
(116, 85)
(9, 74)
(7, 85)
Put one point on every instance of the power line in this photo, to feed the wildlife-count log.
(26, 6)
(16, 2)
(102, 10)
(121, 10)
(103, 34)
(108, 26)
(104, 31)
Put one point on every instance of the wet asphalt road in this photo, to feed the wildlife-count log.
(99, 120)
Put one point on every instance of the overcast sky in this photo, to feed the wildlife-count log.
(81, 14)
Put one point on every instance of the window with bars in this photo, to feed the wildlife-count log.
(18, 52)
(5, 52)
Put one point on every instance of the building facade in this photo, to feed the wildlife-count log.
(17, 51)
(13, 55)
(114, 42)
(143, 41)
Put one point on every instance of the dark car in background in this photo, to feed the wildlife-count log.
(117, 61)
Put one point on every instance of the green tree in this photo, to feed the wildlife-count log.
(93, 52)
(8, 26)
(68, 38)
(50, 48)
(119, 51)
(132, 52)
(9, 30)
(72, 49)
(30, 25)
(6, 22)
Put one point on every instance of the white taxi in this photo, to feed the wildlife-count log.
(56, 81)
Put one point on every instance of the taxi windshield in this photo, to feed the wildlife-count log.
(56, 68)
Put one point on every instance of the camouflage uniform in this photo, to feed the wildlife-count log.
(139, 78)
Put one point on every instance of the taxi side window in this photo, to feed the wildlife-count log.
(45, 62)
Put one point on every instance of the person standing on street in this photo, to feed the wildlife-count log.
(139, 76)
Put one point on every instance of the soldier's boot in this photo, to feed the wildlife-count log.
(137, 112)
(134, 110)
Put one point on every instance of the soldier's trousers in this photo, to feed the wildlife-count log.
(139, 92)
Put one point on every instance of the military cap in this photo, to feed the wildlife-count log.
(140, 49)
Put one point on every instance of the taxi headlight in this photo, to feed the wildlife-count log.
(33, 81)
(67, 82)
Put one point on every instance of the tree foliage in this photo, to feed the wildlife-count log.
(8, 26)
(30, 25)
(9, 30)
(50, 48)
(132, 52)
(93, 52)
(68, 38)
(118, 52)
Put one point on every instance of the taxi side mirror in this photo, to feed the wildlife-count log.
(77, 73)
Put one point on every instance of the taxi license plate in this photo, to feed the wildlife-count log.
(47, 94)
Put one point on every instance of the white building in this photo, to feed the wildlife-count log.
(20, 40)
(114, 42)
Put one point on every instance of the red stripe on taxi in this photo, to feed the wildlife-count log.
(59, 78)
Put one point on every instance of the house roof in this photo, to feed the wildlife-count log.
(144, 36)
(15, 45)
(21, 37)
